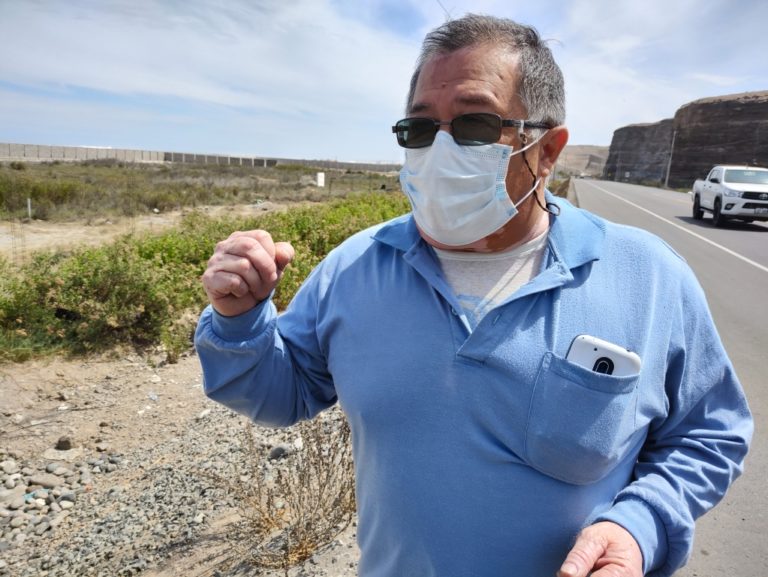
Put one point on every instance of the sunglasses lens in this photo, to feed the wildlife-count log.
(468, 130)
(415, 132)
(476, 129)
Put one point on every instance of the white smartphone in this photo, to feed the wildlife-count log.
(603, 357)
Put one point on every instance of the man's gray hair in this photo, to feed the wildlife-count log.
(540, 81)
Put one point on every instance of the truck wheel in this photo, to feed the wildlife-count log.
(698, 214)
(717, 217)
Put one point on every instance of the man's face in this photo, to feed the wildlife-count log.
(482, 78)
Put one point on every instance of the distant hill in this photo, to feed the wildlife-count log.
(582, 159)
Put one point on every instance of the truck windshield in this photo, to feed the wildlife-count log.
(746, 176)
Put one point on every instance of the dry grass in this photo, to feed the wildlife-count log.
(293, 505)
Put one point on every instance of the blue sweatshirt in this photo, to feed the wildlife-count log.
(483, 453)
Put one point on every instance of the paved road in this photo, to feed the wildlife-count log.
(732, 265)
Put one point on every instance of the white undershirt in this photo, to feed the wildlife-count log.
(482, 281)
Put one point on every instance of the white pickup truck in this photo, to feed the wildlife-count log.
(732, 192)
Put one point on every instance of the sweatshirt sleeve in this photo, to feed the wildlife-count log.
(250, 367)
(692, 456)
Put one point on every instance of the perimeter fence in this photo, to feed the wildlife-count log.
(10, 152)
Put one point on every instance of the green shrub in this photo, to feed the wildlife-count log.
(144, 290)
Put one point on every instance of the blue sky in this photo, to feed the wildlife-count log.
(326, 79)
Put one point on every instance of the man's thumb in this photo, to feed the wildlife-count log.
(284, 254)
(582, 558)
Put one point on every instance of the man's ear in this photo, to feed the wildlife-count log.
(550, 147)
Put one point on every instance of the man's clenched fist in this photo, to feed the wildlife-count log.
(243, 271)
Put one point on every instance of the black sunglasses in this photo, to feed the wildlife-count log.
(468, 129)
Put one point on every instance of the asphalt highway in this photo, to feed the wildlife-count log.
(731, 264)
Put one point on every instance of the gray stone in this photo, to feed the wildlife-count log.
(17, 503)
(46, 480)
(10, 495)
(58, 519)
(279, 452)
(42, 527)
(68, 456)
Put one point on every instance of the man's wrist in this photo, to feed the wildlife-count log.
(243, 326)
(645, 526)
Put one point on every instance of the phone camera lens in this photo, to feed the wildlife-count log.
(603, 365)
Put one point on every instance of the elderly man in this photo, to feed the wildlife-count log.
(485, 445)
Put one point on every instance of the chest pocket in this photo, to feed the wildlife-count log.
(581, 424)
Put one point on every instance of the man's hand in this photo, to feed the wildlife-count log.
(605, 548)
(243, 271)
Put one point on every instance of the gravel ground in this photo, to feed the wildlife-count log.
(119, 467)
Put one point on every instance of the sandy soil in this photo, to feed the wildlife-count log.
(19, 239)
(95, 401)
(124, 404)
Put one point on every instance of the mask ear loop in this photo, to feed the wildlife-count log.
(550, 207)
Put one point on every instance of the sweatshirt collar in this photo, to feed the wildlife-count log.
(576, 237)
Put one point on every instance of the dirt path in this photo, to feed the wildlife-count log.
(19, 239)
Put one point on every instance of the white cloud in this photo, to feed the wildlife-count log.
(717, 80)
(298, 60)
(326, 78)
(300, 51)
(634, 62)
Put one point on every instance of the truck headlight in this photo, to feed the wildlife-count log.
(729, 192)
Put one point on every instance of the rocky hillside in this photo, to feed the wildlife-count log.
(640, 153)
(730, 129)
(582, 160)
(720, 130)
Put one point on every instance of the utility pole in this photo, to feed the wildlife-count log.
(669, 162)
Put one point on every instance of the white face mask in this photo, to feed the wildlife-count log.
(458, 193)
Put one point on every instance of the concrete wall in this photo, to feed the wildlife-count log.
(43, 153)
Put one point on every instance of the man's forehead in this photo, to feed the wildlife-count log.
(479, 99)
(481, 75)
(479, 59)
